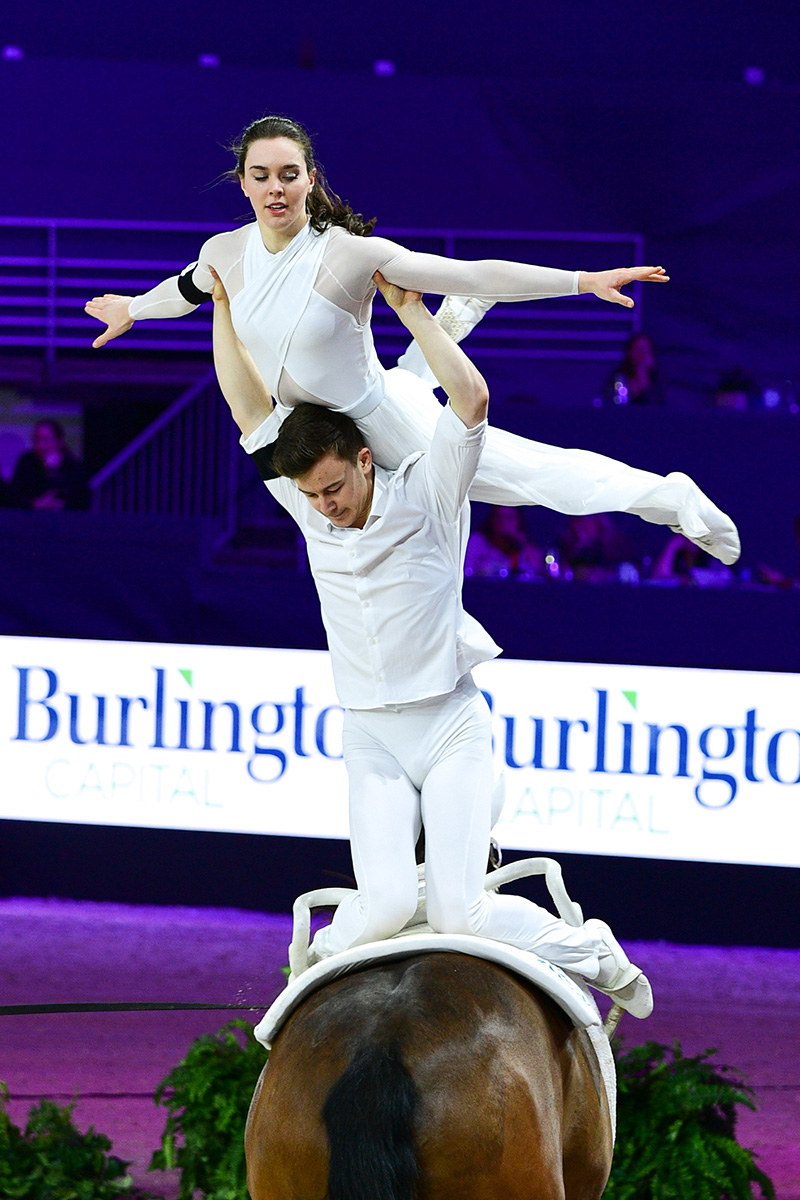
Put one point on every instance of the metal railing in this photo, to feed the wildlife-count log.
(188, 463)
(184, 464)
(49, 268)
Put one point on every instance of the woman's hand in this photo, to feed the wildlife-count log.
(606, 284)
(113, 311)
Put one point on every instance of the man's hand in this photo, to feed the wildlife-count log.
(606, 284)
(219, 295)
(396, 297)
(113, 311)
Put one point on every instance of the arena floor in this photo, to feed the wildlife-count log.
(743, 1001)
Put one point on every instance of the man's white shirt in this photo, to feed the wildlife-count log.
(390, 593)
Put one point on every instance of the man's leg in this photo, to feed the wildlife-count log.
(384, 827)
(456, 811)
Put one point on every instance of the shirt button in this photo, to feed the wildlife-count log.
(380, 679)
(372, 641)
(366, 604)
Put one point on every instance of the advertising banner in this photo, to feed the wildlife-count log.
(651, 762)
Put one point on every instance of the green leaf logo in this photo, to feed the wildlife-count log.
(189, 675)
(631, 697)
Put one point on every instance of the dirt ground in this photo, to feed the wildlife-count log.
(745, 1002)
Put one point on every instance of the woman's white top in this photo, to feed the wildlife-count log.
(304, 312)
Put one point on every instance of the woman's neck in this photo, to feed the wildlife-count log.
(276, 240)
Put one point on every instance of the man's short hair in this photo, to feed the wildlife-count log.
(309, 433)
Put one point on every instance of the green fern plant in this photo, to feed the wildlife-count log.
(676, 1130)
(52, 1160)
(207, 1097)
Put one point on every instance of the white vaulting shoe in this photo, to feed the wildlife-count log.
(457, 315)
(624, 982)
(704, 524)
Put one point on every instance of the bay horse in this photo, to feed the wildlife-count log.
(435, 1077)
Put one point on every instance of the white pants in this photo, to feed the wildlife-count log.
(430, 764)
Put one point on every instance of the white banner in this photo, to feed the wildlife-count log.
(653, 762)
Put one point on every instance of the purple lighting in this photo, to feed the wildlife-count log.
(384, 67)
(755, 76)
(208, 60)
(13, 53)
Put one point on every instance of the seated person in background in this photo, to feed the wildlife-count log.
(594, 548)
(49, 476)
(636, 379)
(6, 498)
(682, 562)
(734, 390)
(501, 546)
(767, 574)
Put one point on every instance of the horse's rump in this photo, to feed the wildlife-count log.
(440, 1066)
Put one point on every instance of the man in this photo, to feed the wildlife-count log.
(386, 552)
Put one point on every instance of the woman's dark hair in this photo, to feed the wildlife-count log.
(55, 427)
(323, 206)
(309, 433)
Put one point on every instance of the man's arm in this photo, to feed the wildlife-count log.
(465, 386)
(239, 380)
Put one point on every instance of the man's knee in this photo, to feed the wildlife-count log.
(451, 914)
(387, 915)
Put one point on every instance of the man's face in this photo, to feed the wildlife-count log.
(340, 490)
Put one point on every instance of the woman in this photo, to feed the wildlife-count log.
(501, 548)
(49, 477)
(300, 281)
(636, 379)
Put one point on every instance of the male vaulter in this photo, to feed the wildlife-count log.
(386, 551)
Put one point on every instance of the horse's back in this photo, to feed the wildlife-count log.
(509, 1100)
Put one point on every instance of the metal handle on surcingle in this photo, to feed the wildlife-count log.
(567, 909)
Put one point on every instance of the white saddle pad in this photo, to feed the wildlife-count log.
(573, 997)
(576, 1003)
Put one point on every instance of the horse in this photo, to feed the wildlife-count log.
(439, 1076)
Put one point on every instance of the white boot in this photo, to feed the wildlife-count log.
(619, 978)
(679, 503)
(457, 315)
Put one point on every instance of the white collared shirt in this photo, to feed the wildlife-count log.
(391, 592)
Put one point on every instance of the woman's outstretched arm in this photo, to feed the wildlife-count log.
(176, 296)
(491, 278)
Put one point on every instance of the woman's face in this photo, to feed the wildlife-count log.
(276, 182)
(47, 445)
(641, 353)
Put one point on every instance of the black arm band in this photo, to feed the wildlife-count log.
(187, 288)
(263, 460)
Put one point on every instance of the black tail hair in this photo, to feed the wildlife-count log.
(369, 1116)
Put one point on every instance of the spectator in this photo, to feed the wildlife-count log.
(501, 546)
(6, 498)
(594, 548)
(637, 379)
(734, 390)
(766, 574)
(681, 561)
(49, 476)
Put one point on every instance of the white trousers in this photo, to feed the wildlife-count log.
(430, 764)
